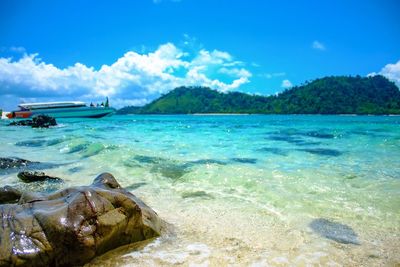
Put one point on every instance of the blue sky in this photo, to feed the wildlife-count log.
(133, 51)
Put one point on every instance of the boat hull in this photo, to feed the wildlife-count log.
(78, 112)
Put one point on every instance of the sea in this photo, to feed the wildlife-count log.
(236, 190)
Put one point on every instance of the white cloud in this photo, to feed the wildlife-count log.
(13, 49)
(286, 84)
(235, 72)
(272, 75)
(17, 49)
(190, 40)
(133, 78)
(120, 102)
(159, 1)
(390, 71)
(318, 46)
(215, 57)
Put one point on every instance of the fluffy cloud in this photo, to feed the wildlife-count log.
(318, 46)
(390, 71)
(235, 72)
(272, 75)
(286, 84)
(133, 79)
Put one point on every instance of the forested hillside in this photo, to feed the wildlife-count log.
(329, 95)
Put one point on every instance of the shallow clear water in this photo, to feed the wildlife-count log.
(238, 190)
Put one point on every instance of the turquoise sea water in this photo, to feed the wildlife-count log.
(238, 190)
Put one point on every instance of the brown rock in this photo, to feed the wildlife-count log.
(74, 225)
(9, 195)
(36, 176)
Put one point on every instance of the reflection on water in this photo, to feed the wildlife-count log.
(237, 190)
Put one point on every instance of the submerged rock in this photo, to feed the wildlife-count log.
(21, 123)
(40, 121)
(36, 176)
(39, 142)
(148, 159)
(194, 194)
(93, 149)
(135, 186)
(274, 150)
(72, 226)
(75, 169)
(320, 135)
(170, 170)
(322, 151)
(245, 160)
(335, 231)
(8, 163)
(173, 169)
(77, 147)
(31, 143)
(13, 164)
(9, 194)
(207, 162)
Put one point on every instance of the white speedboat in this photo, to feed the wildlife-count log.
(68, 109)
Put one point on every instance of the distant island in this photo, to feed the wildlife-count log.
(329, 95)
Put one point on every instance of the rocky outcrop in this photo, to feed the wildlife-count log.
(36, 176)
(72, 226)
(43, 121)
(21, 123)
(40, 121)
(9, 195)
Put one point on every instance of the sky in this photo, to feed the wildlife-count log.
(134, 51)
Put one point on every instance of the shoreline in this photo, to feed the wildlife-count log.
(258, 114)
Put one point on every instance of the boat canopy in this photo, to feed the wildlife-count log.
(66, 104)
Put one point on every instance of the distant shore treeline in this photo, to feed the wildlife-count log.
(328, 95)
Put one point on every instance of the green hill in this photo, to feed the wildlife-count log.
(329, 95)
